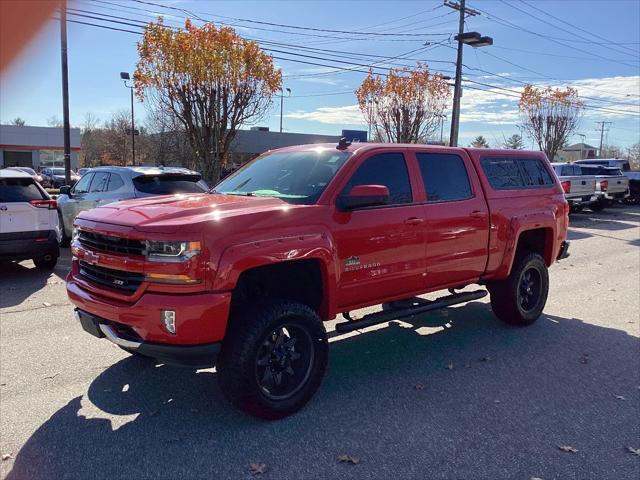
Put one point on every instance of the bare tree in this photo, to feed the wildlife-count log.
(550, 116)
(18, 122)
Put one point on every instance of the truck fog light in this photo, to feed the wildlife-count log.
(168, 318)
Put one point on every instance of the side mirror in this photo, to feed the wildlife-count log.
(362, 196)
(65, 190)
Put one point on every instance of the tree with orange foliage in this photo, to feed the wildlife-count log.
(404, 107)
(210, 79)
(550, 116)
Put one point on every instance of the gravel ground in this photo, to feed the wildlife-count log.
(450, 395)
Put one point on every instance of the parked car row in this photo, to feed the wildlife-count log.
(589, 184)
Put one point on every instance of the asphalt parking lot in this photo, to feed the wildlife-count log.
(451, 395)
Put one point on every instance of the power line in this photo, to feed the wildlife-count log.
(557, 40)
(565, 22)
(297, 27)
(356, 69)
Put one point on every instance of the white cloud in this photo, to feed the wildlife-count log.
(349, 114)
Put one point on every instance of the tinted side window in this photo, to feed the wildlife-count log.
(534, 172)
(445, 177)
(502, 173)
(19, 190)
(388, 169)
(566, 171)
(115, 182)
(99, 183)
(83, 184)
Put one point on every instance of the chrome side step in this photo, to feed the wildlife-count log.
(423, 306)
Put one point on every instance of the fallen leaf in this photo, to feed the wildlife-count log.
(46, 304)
(348, 459)
(7, 456)
(633, 451)
(168, 401)
(450, 366)
(567, 448)
(257, 468)
(584, 359)
(419, 386)
(619, 397)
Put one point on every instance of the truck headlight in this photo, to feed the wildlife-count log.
(171, 251)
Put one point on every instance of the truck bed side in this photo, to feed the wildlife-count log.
(537, 215)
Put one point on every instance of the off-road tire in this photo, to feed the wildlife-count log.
(43, 263)
(249, 331)
(65, 241)
(507, 295)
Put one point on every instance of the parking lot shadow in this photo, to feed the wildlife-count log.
(19, 281)
(456, 394)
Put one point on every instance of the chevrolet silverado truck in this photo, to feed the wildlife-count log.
(611, 185)
(579, 190)
(244, 277)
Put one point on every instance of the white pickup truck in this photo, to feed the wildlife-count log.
(611, 185)
(580, 191)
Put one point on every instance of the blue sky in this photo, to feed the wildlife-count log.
(598, 54)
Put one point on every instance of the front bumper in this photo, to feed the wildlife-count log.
(200, 319)
(28, 245)
(196, 356)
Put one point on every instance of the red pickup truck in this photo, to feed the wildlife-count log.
(244, 277)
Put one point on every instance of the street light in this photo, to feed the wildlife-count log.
(282, 104)
(124, 76)
(474, 39)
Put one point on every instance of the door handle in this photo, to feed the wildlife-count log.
(414, 221)
(477, 214)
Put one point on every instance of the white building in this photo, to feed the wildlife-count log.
(36, 147)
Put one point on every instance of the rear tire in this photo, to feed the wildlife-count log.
(48, 262)
(521, 297)
(597, 206)
(273, 358)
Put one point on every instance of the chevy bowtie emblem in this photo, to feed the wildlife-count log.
(91, 258)
(352, 261)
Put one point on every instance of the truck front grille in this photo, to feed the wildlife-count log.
(116, 279)
(109, 243)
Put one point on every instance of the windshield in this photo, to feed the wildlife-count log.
(296, 177)
(167, 184)
(60, 171)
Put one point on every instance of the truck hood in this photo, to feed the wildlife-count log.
(170, 213)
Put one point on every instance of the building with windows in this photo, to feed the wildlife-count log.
(36, 147)
(577, 151)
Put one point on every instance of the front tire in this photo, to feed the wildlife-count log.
(521, 297)
(65, 241)
(273, 359)
(48, 262)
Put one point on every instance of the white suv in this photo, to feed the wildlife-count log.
(28, 221)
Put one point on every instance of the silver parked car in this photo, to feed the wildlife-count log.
(103, 185)
(580, 191)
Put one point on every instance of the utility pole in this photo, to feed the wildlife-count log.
(282, 105)
(602, 127)
(65, 94)
(475, 40)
